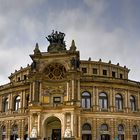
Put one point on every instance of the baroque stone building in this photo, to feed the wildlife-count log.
(59, 96)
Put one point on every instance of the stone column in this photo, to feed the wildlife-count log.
(111, 100)
(0, 103)
(22, 129)
(94, 98)
(30, 125)
(72, 125)
(8, 132)
(24, 99)
(112, 129)
(115, 127)
(79, 127)
(97, 99)
(72, 82)
(97, 129)
(31, 92)
(39, 126)
(126, 101)
(21, 102)
(127, 130)
(67, 91)
(40, 91)
(138, 102)
(93, 129)
(11, 102)
(78, 92)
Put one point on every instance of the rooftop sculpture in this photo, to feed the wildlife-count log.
(57, 43)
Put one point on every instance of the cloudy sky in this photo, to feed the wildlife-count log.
(106, 29)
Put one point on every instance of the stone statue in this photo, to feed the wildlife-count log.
(57, 43)
(75, 63)
(67, 133)
(34, 133)
(33, 65)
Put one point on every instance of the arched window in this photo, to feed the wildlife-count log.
(86, 126)
(3, 133)
(119, 102)
(104, 132)
(104, 127)
(86, 100)
(103, 101)
(86, 132)
(132, 103)
(14, 132)
(120, 132)
(135, 132)
(17, 103)
(5, 107)
(120, 128)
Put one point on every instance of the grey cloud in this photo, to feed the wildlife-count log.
(21, 31)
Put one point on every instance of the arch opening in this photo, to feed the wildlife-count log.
(52, 128)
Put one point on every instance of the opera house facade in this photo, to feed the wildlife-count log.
(61, 97)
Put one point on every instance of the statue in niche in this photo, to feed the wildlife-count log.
(75, 63)
(57, 43)
(33, 65)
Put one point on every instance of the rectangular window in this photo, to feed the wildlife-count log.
(84, 70)
(57, 99)
(94, 71)
(121, 76)
(104, 72)
(25, 77)
(113, 74)
(18, 79)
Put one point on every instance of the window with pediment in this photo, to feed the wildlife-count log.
(55, 71)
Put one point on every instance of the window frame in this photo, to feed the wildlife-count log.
(84, 70)
(17, 103)
(119, 102)
(103, 100)
(132, 100)
(86, 100)
(6, 105)
(95, 71)
(104, 127)
(104, 72)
